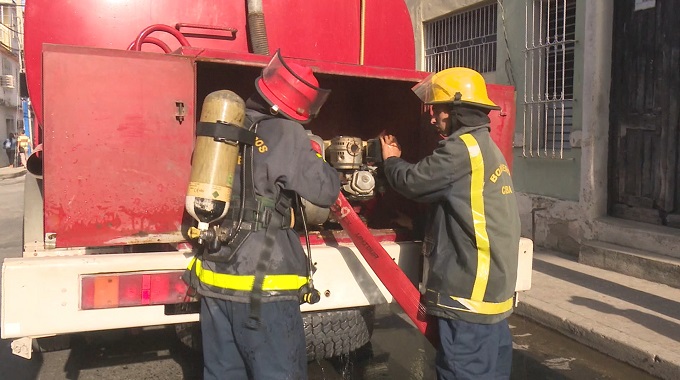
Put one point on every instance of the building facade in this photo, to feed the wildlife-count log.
(11, 38)
(596, 163)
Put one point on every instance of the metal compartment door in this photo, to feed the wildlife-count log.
(118, 136)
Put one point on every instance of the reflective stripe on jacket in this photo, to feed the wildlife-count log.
(472, 240)
(244, 283)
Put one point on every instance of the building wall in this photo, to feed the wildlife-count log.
(428, 10)
(10, 49)
(559, 198)
(10, 102)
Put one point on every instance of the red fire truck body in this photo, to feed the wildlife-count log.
(117, 87)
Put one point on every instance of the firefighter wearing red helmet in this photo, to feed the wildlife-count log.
(473, 232)
(250, 289)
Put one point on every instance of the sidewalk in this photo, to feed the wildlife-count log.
(633, 320)
(7, 172)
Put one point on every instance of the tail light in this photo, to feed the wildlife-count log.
(112, 290)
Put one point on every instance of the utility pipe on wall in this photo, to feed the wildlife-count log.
(362, 32)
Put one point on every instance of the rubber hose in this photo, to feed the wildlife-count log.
(258, 33)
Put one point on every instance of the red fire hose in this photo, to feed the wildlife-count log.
(396, 282)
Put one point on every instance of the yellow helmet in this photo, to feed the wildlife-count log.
(457, 85)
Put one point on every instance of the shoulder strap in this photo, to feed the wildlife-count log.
(248, 200)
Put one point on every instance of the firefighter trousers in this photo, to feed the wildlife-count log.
(233, 350)
(473, 351)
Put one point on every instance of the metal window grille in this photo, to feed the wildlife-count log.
(6, 13)
(549, 77)
(5, 36)
(462, 39)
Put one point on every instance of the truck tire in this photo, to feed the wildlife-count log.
(190, 335)
(327, 333)
(337, 332)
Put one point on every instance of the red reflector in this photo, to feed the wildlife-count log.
(146, 289)
(131, 289)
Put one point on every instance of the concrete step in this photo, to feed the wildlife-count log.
(634, 262)
(646, 237)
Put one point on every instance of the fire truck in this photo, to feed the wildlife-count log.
(117, 88)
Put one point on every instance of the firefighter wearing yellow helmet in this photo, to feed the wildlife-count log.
(457, 85)
(471, 241)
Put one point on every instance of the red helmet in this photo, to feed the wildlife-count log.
(291, 89)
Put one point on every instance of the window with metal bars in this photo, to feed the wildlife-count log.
(465, 39)
(549, 77)
(8, 15)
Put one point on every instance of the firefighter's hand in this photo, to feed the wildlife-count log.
(390, 147)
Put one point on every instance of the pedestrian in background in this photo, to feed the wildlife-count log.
(10, 146)
(24, 146)
(471, 242)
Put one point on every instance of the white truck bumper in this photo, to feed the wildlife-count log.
(41, 295)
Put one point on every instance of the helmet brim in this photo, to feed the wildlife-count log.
(467, 103)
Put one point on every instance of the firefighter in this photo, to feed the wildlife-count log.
(472, 238)
(250, 303)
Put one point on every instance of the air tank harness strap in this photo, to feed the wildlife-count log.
(248, 200)
(283, 205)
(259, 217)
(225, 131)
(222, 131)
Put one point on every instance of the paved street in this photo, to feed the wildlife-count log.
(11, 214)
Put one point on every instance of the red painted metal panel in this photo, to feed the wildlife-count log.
(115, 24)
(389, 36)
(317, 30)
(503, 121)
(116, 159)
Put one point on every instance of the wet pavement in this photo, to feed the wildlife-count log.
(541, 353)
(397, 351)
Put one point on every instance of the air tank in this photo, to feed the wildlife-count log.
(214, 160)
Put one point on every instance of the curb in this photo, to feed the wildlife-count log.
(7, 174)
(628, 349)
